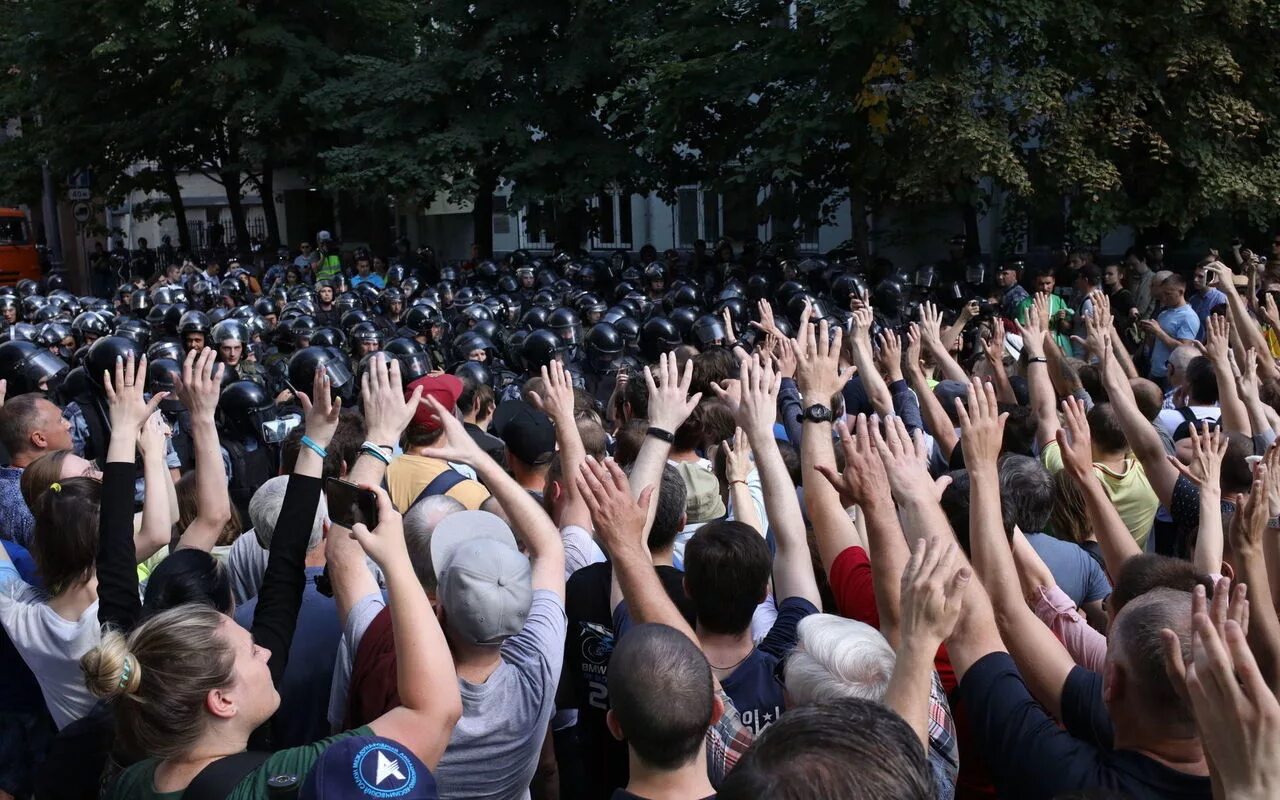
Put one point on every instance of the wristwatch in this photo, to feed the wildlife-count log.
(815, 413)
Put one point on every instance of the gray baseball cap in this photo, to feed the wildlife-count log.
(485, 582)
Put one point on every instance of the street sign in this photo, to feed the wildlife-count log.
(81, 212)
(79, 194)
(80, 179)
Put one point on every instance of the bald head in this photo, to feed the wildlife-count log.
(1148, 397)
(419, 522)
(1135, 649)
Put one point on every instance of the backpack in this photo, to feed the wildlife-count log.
(440, 484)
(1183, 430)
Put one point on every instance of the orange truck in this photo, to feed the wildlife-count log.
(18, 255)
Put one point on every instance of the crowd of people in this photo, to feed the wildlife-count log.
(729, 524)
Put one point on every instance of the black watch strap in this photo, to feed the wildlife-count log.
(659, 433)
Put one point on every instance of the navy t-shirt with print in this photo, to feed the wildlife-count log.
(754, 686)
(1030, 757)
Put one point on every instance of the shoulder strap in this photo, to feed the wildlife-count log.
(1187, 414)
(219, 779)
(440, 484)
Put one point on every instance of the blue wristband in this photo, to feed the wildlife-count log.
(375, 451)
(310, 444)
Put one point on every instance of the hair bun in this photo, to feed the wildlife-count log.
(110, 670)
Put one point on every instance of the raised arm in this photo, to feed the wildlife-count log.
(738, 466)
(933, 587)
(1250, 331)
(275, 619)
(529, 521)
(863, 358)
(556, 402)
(430, 702)
(1041, 658)
(1248, 530)
(156, 529)
(1217, 346)
(1039, 386)
(936, 421)
(200, 389)
(118, 601)
(818, 379)
(669, 406)
(931, 337)
(755, 413)
(865, 484)
(1138, 430)
(1075, 445)
(1261, 416)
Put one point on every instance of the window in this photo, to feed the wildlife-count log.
(538, 225)
(501, 215)
(702, 215)
(611, 220)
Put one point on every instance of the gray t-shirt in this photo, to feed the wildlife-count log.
(1074, 570)
(495, 746)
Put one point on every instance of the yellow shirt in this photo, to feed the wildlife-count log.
(1130, 491)
(409, 475)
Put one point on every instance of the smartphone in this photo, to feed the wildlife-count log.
(349, 504)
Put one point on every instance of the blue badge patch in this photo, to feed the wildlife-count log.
(383, 771)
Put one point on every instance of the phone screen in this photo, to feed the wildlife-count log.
(349, 504)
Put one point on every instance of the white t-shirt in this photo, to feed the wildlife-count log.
(51, 645)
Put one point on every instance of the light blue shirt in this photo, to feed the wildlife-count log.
(1180, 323)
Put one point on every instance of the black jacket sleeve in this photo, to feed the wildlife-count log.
(280, 599)
(118, 602)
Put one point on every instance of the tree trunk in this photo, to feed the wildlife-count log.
(482, 213)
(861, 228)
(231, 183)
(174, 191)
(266, 190)
(973, 244)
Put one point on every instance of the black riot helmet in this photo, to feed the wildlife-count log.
(474, 371)
(353, 318)
(683, 318)
(244, 409)
(466, 343)
(658, 335)
(539, 349)
(629, 330)
(18, 332)
(230, 330)
(535, 318)
(103, 354)
(303, 365)
(709, 331)
(166, 348)
(134, 329)
(193, 322)
(604, 346)
(365, 333)
(565, 323)
(90, 323)
(685, 296)
(329, 337)
(421, 318)
(738, 312)
(413, 358)
(263, 307)
(162, 376)
(26, 365)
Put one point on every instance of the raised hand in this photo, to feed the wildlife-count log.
(912, 362)
(784, 356)
(200, 387)
(1033, 334)
(933, 586)
(127, 408)
(557, 399)
(387, 411)
(930, 324)
(152, 436)
(981, 425)
(456, 445)
(619, 519)
(817, 352)
(737, 457)
(321, 414)
(1075, 441)
(755, 406)
(669, 402)
(864, 480)
(1217, 343)
(1207, 449)
(384, 544)
(1040, 306)
(1249, 523)
(905, 461)
(766, 324)
(889, 355)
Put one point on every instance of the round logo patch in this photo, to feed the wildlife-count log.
(383, 771)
